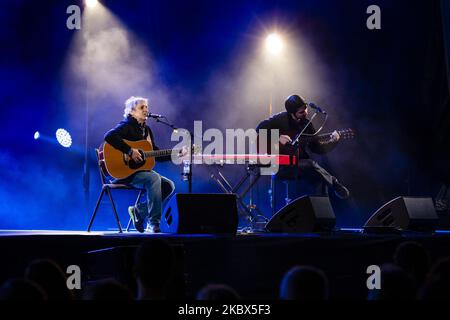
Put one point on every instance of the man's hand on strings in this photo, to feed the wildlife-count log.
(183, 151)
(285, 139)
(135, 155)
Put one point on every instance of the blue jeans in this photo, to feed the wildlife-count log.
(159, 189)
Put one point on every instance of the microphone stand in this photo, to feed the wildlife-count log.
(166, 123)
(295, 143)
(190, 153)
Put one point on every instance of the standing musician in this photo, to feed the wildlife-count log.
(290, 123)
(158, 188)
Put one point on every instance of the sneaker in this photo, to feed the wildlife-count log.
(441, 205)
(340, 190)
(137, 220)
(153, 228)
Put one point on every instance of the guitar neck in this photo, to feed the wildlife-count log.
(316, 138)
(320, 137)
(160, 153)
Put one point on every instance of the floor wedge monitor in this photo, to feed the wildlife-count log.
(200, 213)
(304, 214)
(405, 213)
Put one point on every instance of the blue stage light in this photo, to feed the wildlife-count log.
(36, 135)
(64, 138)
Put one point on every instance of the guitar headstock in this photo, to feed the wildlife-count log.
(347, 133)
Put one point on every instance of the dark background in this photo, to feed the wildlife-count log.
(390, 85)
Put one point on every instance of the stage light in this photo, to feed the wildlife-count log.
(274, 43)
(36, 135)
(63, 138)
(91, 3)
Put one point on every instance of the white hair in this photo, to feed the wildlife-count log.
(131, 103)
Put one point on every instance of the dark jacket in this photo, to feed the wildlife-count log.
(288, 126)
(130, 129)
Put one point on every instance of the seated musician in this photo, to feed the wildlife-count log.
(290, 123)
(158, 188)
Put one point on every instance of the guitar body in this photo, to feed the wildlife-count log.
(120, 165)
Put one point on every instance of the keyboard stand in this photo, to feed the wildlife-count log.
(250, 211)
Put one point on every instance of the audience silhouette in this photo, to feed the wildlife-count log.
(21, 289)
(217, 292)
(50, 277)
(108, 289)
(304, 283)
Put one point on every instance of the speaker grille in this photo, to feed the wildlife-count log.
(405, 213)
(304, 214)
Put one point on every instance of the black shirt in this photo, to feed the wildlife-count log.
(286, 125)
(130, 129)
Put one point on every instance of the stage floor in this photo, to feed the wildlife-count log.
(252, 263)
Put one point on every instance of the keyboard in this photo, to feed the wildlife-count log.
(260, 159)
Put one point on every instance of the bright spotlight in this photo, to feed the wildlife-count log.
(36, 135)
(63, 138)
(274, 43)
(91, 3)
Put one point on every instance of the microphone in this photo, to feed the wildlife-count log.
(318, 109)
(154, 115)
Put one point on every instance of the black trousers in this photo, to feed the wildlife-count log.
(291, 182)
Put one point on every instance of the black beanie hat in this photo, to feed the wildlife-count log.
(293, 103)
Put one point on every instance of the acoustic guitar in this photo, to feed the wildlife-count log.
(120, 165)
(343, 133)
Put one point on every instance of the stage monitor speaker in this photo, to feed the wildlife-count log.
(304, 214)
(405, 213)
(200, 213)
